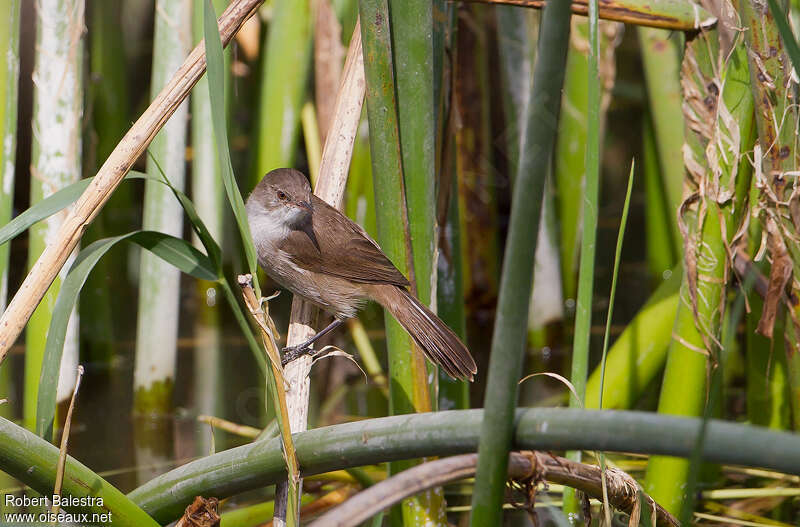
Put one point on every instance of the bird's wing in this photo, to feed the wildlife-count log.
(342, 249)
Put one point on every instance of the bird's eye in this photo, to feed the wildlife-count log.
(282, 195)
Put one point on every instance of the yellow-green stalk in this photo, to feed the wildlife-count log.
(208, 194)
(639, 353)
(397, 191)
(719, 119)
(660, 58)
(284, 72)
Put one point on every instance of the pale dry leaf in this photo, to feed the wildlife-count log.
(332, 351)
(556, 376)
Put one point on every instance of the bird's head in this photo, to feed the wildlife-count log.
(284, 195)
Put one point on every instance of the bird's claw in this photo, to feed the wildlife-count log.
(290, 353)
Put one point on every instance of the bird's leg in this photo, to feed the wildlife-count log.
(291, 353)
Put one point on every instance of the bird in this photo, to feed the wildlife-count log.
(318, 253)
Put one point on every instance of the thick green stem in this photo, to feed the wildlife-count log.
(719, 118)
(33, 461)
(508, 341)
(208, 194)
(408, 385)
(448, 433)
(407, 395)
(412, 56)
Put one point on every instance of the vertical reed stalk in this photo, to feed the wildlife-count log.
(208, 194)
(777, 117)
(412, 55)
(9, 76)
(106, 292)
(159, 282)
(661, 251)
(56, 162)
(508, 341)
(660, 58)
(392, 214)
(718, 112)
(408, 386)
(589, 199)
(284, 73)
(569, 167)
(412, 27)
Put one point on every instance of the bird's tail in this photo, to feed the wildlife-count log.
(434, 338)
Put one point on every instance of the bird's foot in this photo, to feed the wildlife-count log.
(291, 353)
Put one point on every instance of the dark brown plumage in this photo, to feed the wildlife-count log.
(320, 254)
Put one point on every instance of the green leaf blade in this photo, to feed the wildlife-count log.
(175, 251)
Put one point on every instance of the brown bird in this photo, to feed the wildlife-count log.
(315, 251)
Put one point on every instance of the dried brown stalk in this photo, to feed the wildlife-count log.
(110, 175)
(328, 56)
(334, 168)
(266, 325)
(62, 454)
(662, 14)
(234, 428)
(201, 513)
(527, 468)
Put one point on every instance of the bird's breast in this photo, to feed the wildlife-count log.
(338, 296)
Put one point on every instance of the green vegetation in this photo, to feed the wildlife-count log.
(674, 357)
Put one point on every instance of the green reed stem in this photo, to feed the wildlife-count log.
(508, 341)
(583, 307)
(284, 73)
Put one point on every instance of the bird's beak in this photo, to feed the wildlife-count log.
(305, 205)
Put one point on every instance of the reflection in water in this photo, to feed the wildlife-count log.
(129, 450)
